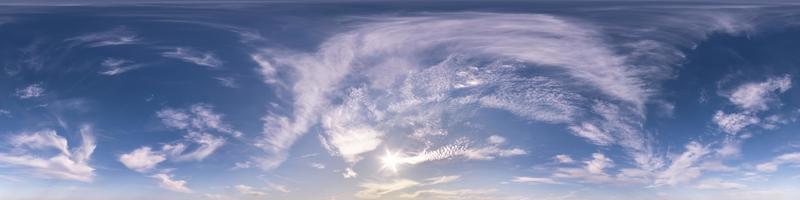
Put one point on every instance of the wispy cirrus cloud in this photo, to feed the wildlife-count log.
(29, 154)
(114, 66)
(116, 36)
(208, 59)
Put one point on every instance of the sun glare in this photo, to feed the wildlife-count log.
(390, 161)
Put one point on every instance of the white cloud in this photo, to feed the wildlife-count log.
(318, 165)
(756, 96)
(142, 159)
(598, 163)
(593, 133)
(167, 182)
(198, 118)
(534, 180)
(562, 158)
(228, 82)
(496, 139)
(594, 170)
(189, 55)
(247, 190)
(31, 91)
(734, 122)
(684, 167)
(347, 130)
(29, 150)
(718, 184)
(772, 166)
(267, 70)
(449, 194)
(278, 187)
(206, 145)
(115, 66)
(374, 190)
(441, 179)
(117, 36)
(349, 173)
(461, 148)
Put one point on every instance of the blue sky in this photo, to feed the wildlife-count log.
(390, 100)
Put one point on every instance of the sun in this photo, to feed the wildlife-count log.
(390, 161)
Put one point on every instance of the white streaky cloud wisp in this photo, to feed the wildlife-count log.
(534, 180)
(772, 166)
(718, 184)
(71, 164)
(461, 148)
(684, 167)
(208, 59)
(117, 36)
(250, 191)
(166, 181)
(377, 190)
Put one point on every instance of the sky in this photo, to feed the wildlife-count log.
(400, 100)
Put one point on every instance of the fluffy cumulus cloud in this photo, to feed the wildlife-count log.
(193, 56)
(166, 181)
(422, 81)
(31, 154)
